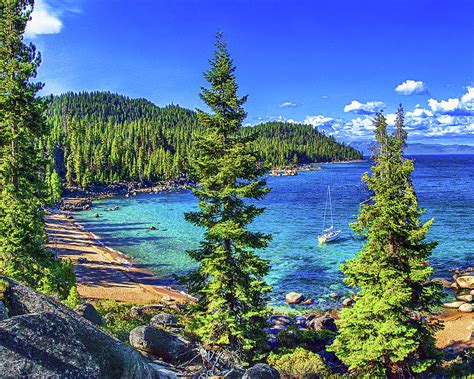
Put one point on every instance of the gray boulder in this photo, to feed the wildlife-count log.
(294, 298)
(168, 346)
(321, 322)
(261, 371)
(163, 319)
(235, 373)
(89, 312)
(3, 311)
(43, 338)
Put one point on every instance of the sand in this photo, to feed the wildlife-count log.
(103, 273)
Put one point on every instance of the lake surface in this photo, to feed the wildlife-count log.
(294, 216)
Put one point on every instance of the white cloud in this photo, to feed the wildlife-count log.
(287, 104)
(368, 108)
(43, 21)
(411, 87)
(318, 120)
(463, 106)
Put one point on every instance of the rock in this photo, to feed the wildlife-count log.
(138, 312)
(3, 311)
(82, 260)
(152, 228)
(466, 281)
(235, 373)
(43, 338)
(163, 371)
(96, 215)
(89, 313)
(261, 371)
(163, 318)
(454, 304)
(279, 320)
(472, 293)
(466, 308)
(308, 302)
(446, 283)
(334, 295)
(466, 298)
(294, 298)
(321, 322)
(167, 298)
(168, 346)
(69, 217)
(348, 302)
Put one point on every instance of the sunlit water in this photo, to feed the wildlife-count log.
(294, 216)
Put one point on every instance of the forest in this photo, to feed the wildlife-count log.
(101, 137)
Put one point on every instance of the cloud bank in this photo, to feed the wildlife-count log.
(411, 87)
(43, 21)
(368, 108)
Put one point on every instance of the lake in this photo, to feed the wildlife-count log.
(294, 216)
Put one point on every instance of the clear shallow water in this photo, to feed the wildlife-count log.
(294, 213)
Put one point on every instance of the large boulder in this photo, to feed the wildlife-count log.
(294, 298)
(466, 281)
(466, 308)
(321, 322)
(89, 313)
(261, 371)
(43, 338)
(168, 346)
(163, 319)
(3, 311)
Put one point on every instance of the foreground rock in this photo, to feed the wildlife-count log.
(321, 323)
(261, 371)
(294, 298)
(453, 305)
(89, 313)
(466, 308)
(43, 338)
(168, 346)
(466, 281)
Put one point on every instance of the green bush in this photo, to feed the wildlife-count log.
(312, 340)
(299, 363)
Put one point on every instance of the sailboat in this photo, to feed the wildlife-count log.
(328, 234)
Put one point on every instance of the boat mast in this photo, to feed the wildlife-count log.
(330, 206)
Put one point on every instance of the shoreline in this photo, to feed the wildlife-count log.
(111, 274)
(103, 272)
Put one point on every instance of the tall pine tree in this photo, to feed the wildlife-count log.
(22, 164)
(384, 332)
(231, 309)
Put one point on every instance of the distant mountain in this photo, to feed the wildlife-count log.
(419, 148)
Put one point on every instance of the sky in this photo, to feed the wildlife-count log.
(331, 64)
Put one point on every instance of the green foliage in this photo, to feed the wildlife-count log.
(280, 144)
(299, 363)
(231, 309)
(308, 339)
(99, 137)
(384, 332)
(3, 288)
(72, 300)
(22, 163)
(55, 187)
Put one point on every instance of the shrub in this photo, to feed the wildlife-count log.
(299, 363)
(312, 340)
(3, 288)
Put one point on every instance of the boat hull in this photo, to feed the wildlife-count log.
(329, 237)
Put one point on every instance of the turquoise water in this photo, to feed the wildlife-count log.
(294, 215)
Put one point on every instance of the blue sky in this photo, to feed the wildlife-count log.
(330, 64)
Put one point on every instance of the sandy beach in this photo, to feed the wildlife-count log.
(103, 273)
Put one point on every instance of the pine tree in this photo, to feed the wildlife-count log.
(56, 187)
(22, 163)
(384, 332)
(231, 310)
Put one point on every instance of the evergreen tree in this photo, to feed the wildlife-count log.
(22, 163)
(232, 295)
(56, 187)
(384, 332)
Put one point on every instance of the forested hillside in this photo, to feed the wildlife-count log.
(100, 137)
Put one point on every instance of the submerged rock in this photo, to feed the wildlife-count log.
(168, 346)
(43, 338)
(152, 228)
(96, 215)
(89, 313)
(294, 298)
(261, 371)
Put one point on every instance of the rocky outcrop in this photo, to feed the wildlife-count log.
(43, 338)
(89, 313)
(168, 346)
(261, 371)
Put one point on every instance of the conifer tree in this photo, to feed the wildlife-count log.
(232, 295)
(56, 187)
(384, 332)
(22, 163)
